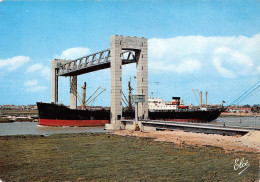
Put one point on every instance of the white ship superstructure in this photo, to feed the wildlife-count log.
(159, 104)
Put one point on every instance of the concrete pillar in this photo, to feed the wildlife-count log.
(116, 81)
(54, 79)
(119, 43)
(142, 79)
(54, 82)
(73, 92)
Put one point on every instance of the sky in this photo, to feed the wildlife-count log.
(207, 45)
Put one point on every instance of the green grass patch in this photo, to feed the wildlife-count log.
(108, 157)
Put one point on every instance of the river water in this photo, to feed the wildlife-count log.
(32, 128)
(253, 122)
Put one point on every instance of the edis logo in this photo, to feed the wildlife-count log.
(241, 164)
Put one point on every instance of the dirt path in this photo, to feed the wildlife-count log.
(248, 143)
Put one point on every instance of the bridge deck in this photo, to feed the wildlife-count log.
(94, 62)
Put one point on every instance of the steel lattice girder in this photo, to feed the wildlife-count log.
(94, 62)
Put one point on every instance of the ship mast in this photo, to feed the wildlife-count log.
(195, 96)
(200, 94)
(130, 95)
(206, 95)
(83, 106)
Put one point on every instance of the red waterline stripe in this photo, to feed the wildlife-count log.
(54, 122)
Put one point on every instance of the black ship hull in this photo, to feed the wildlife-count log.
(59, 115)
(185, 116)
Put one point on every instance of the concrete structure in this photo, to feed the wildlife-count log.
(54, 79)
(124, 50)
(119, 43)
(191, 127)
(55, 84)
(73, 92)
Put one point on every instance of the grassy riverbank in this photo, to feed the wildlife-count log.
(107, 157)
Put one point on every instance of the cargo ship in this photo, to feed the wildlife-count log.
(175, 111)
(51, 114)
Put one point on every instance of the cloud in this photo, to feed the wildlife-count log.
(229, 57)
(222, 70)
(34, 68)
(36, 89)
(11, 64)
(30, 83)
(74, 53)
(37, 69)
(258, 69)
(186, 66)
(228, 62)
(33, 86)
(44, 71)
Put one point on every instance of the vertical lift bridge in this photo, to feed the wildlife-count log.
(123, 50)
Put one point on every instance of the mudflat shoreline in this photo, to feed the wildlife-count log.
(247, 143)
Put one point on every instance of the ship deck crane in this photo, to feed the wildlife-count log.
(82, 101)
(130, 95)
(201, 98)
(124, 99)
(92, 95)
(96, 96)
(196, 96)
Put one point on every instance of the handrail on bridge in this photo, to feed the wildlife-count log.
(93, 62)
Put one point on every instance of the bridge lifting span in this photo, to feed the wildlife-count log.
(94, 62)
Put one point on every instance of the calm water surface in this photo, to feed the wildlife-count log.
(31, 128)
(239, 121)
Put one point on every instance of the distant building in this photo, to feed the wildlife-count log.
(32, 107)
(239, 110)
(18, 107)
